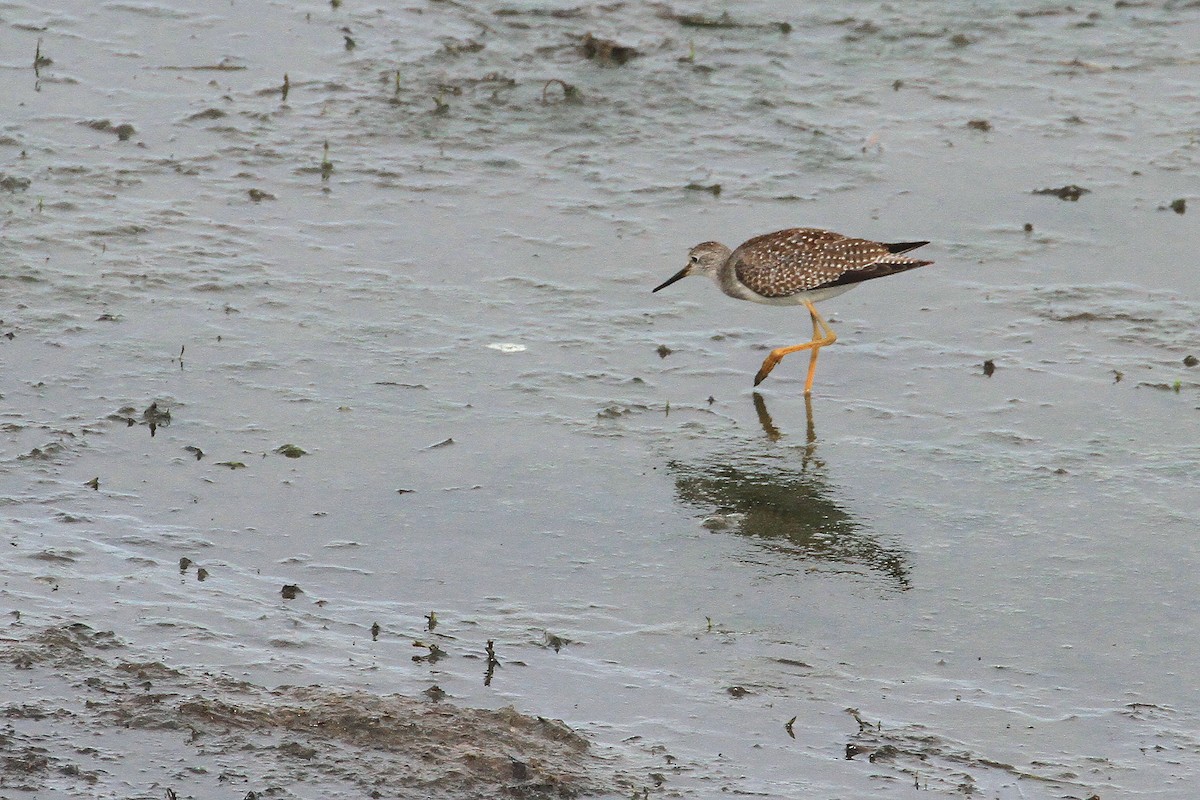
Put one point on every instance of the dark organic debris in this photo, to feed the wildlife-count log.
(123, 131)
(290, 450)
(887, 753)
(224, 66)
(1175, 387)
(1190, 361)
(443, 443)
(283, 90)
(737, 692)
(156, 417)
(606, 51)
(1069, 192)
(11, 183)
(94, 483)
(979, 125)
(960, 40)
(1179, 206)
(989, 367)
(258, 195)
(701, 21)
(290, 591)
(723, 21)
(467, 46)
(201, 574)
(231, 464)
(713, 188)
(435, 693)
(933, 762)
(863, 725)
(554, 641)
(788, 727)
(1048, 12)
(434, 655)
(1028, 227)
(431, 620)
(208, 113)
(326, 164)
(663, 351)
(184, 563)
(196, 451)
(375, 629)
(570, 92)
(43, 453)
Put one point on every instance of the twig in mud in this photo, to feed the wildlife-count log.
(39, 60)
(863, 725)
(326, 164)
(492, 663)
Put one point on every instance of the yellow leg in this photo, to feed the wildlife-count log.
(813, 353)
(822, 335)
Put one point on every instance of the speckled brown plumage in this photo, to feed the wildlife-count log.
(801, 259)
(797, 266)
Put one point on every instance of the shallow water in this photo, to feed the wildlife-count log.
(995, 573)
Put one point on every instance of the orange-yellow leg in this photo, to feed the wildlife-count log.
(822, 335)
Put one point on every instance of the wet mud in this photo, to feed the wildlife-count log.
(332, 385)
(205, 735)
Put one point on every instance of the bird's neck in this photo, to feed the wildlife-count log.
(727, 282)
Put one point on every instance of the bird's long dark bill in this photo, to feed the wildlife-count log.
(677, 276)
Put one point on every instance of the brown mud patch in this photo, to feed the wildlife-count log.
(82, 714)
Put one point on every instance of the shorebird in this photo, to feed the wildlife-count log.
(797, 267)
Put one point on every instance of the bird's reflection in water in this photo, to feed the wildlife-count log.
(781, 497)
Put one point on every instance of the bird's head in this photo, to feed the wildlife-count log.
(705, 258)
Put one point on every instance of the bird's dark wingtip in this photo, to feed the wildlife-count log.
(903, 247)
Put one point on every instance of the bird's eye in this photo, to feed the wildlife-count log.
(694, 260)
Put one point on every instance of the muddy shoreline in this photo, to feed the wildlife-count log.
(190, 733)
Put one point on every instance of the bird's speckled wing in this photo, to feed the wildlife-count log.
(801, 259)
